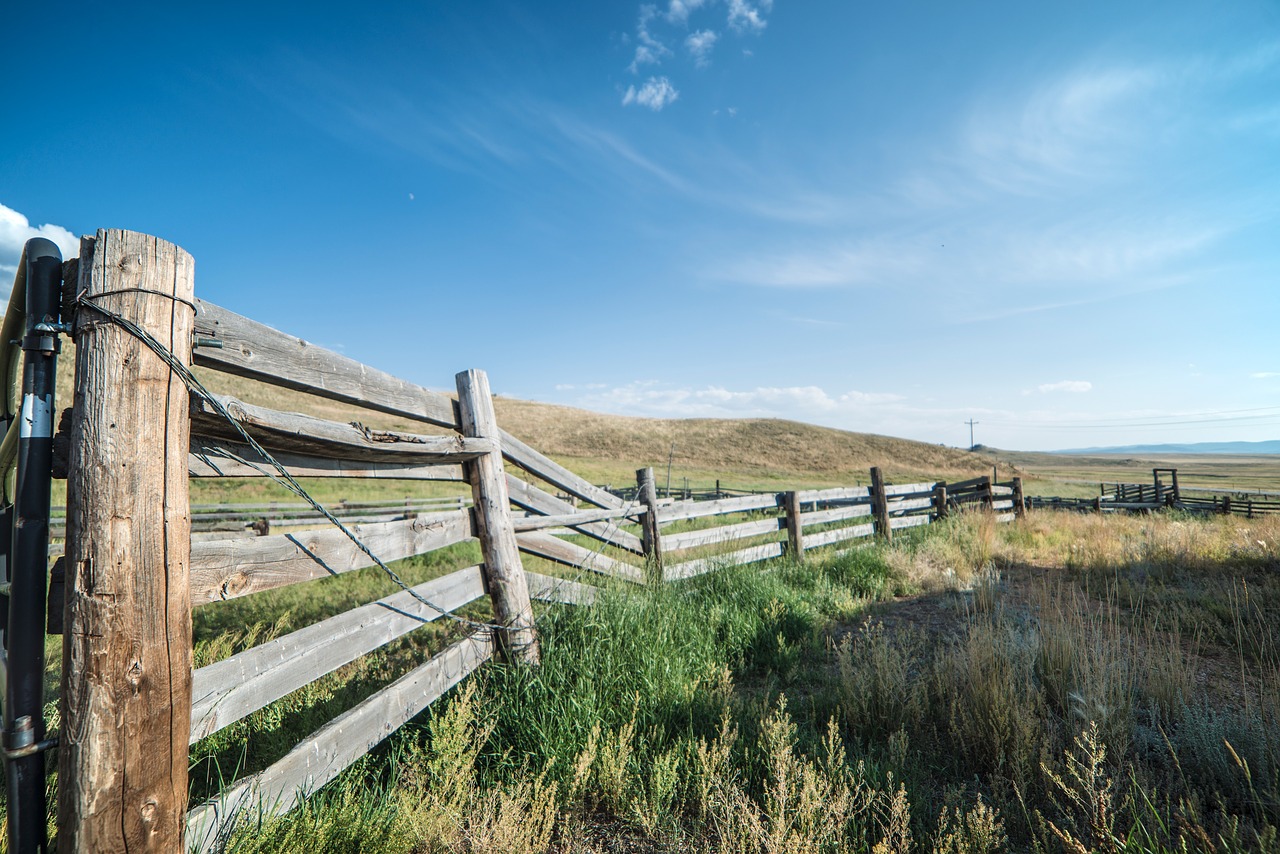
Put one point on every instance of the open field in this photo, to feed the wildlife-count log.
(1111, 683)
(1071, 475)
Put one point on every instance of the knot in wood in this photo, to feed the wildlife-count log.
(148, 811)
(135, 674)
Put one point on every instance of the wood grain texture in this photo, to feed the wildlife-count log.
(571, 554)
(701, 566)
(217, 458)
(227, 569)
(908, 521)
(227, 690)
(520, 454)
(723, 534)
(835, 514)
(531, 498)
(697, 509)
(839, 493)
(839, 535)
(538, 523)
(899, 490)
(255, 350)
(904, 505)
(318, 759)
(549, 589)
(126, 703)
(304, 435)
(795, 525)
(880, 505)
(517, 641)
(650, 527)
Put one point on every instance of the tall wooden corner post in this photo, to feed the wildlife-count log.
(504, 575)
(126, 665)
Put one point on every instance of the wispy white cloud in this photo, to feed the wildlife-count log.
(656, 93)
(1264, 375)
(748, 16)
(700, 44)
(797, 402)
(1073, 386)
(649, 50)
(16, 230)
(678, 11)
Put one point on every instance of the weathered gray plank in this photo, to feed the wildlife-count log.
(1001, 490)
(255, 350)
(520, 454)
(723, 534)
(549, 589)
(217, 458)
(227, 690)
(538, 523)
(226, 569)
(839, 493)
(695, 509)
(333, 747)
(899, 489)
(902, 505)
(839, 535)
(570, 554)
(908, 521)
(1005, 517)
(533, 499)
(303, 434)
(835, 514)
(689, 569)
(1007, 504)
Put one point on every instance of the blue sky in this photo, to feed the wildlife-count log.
(1061, 220)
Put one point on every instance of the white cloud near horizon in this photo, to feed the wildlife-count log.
(16, 230)
(1073, 386)
(656, 93)
(797, 402)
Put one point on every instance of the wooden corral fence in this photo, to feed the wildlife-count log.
(131, 702)
(1165, 492)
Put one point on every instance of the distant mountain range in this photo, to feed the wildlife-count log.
(1268, 447)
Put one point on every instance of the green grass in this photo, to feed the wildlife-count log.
(934, 695)
(1067, 682)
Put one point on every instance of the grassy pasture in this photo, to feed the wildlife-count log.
(1067, 682)
(1064, 683)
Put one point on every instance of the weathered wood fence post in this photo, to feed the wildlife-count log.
(650, 530)
(940, 499)
(126, 666)
(880, 504)
(504, 575)
(1019, 503)
(795, 525)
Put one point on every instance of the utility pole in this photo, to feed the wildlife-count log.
(971, 422)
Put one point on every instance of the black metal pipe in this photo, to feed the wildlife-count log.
(24, 723)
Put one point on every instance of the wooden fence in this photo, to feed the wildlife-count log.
(132, 704)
